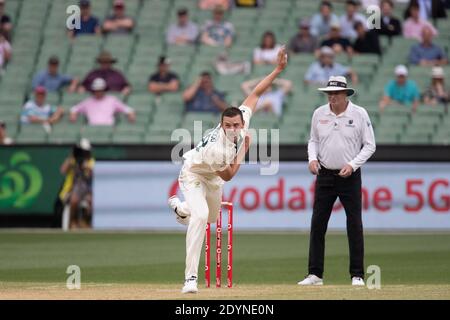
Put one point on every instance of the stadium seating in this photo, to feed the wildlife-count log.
(39, 33)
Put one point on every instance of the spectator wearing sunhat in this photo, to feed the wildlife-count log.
(4, 139)
(38, 111)
(115, 80)
(118, 22)
(101, 108)
(89, 24)
(320, 71)
(163, 80)
(402, 90)
(437, 92)
(303, 41)
(52, 80)
(341, 141)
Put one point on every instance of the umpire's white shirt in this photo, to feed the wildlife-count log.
(339, 140)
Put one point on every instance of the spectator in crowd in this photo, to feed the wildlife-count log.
(367, 3)
(101, 108)
(437, 93)
(335, 41)
(118, 22)
(163, 80)
(401, 90)
(349, 19)
(211, 4)
(4, 139)
(389, 25)
(321, 22)
(272, 100)
(5, 51)
(77, 188)
(115, 80)
(202, 96)
(184, 31)
(413, 26)
(367, 41)
(267, 51)
(52, 80)
(320, 71)
(248, 3)
(89, 23)
(38, 111)
(427, 53)
(218, 32)
(428, 9)
(5, 21)
(225, 66)
(303, 41)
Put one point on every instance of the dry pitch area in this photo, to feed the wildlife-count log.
(264, 292)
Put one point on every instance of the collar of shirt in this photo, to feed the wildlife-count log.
(343, 114)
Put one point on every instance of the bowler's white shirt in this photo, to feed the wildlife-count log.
(215, 152)
(339, 140)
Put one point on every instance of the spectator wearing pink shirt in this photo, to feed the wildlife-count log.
(413, 26)
(101, 108)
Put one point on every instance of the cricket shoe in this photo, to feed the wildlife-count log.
(311, 280)
(357, 281)
(190, 285)
(175, 205)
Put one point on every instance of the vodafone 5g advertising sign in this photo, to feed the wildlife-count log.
(133, 195)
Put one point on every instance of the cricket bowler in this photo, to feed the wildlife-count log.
(213, 161)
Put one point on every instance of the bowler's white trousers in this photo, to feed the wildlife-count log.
(203, 198)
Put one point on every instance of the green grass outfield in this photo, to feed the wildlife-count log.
(39, 259)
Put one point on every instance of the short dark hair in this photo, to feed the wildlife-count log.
(357, 24)
(326, 3)
(182, 12)
(389, 2)
(53, 60)
(231, 112)
(205, 74)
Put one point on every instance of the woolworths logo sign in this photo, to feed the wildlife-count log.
(20, 181)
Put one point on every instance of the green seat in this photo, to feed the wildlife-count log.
(415, 139)
(30, 133)
(127, 138)
(97, 134)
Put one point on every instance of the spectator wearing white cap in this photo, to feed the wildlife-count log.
(321, 70)
(100, 109)
(341, 141)
(118, 22)
(401, 90)
(437, 93)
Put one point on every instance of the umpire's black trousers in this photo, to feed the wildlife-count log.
(329, 186)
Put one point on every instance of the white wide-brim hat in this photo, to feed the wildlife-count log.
(337, 83)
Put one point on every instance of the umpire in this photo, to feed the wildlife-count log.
(341, 141)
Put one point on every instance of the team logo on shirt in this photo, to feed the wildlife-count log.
(350, 124)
